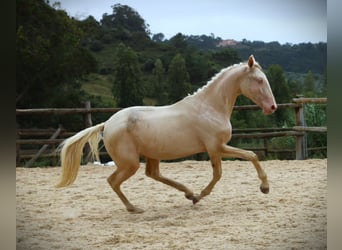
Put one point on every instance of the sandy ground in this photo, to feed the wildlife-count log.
(236, 215)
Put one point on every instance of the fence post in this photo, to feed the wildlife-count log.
(87, 116)
(87, 123)
(17, 146)
(301, 145)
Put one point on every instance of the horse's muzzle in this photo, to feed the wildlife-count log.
(270, 110)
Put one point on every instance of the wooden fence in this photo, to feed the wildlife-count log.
(53, 137)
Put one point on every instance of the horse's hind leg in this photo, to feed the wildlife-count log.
(152, 170)
(115, 180)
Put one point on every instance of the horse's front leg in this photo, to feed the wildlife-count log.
(217, 173)
(228, 151)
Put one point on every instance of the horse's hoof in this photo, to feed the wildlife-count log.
(189, 196)
(265, 190)
(196, 199)
(135, 210)
(193, 198)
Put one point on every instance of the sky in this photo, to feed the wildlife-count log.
(285, 21)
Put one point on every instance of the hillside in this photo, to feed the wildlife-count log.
(299, 58)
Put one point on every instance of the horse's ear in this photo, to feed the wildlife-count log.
(251, 61)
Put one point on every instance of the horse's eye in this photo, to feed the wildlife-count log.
(259, 80)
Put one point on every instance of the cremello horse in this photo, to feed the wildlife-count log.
(198, 123)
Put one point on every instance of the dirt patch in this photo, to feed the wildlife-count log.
(236, 215)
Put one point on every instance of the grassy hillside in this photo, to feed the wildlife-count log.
(100, 86)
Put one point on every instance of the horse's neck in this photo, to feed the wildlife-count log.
(221, 94)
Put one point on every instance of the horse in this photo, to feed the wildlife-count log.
(198, 123)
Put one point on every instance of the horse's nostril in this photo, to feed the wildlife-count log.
(273, 107)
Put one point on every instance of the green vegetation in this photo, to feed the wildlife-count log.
(61, 62)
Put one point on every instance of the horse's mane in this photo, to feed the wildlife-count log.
(219, 74)
(215, 77)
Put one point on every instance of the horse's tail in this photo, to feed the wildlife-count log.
(71, 151)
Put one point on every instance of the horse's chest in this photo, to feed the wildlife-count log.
(225, 133)
(215, 128)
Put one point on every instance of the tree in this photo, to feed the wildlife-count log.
(127, 87)
(280, 89)
(49, 57)
(92, 32)
(226, 57)
(178, 79)
(309, 85)
(123, 23)
(158, 38)
(324, 89)
(179, 42)
(276, 77)
(159, 86)
(198, 66)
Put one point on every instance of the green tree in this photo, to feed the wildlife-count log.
(316, 116)
(226, 57)
(124, 25)
(92, 33)
(50, 60)
(178, 79)
(127, 87)
(158, 38)
(197, 64)
(309, 85)
(276, 77)
(324, 90)
(179, 42)
(281, 91)
(159, 84)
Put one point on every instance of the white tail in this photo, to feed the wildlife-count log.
(72, 150)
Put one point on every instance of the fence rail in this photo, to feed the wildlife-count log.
(56, 136)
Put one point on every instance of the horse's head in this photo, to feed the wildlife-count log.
(256, 87)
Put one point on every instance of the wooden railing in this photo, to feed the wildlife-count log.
(53, 137)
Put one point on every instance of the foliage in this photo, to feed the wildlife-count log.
(178, 79)
(159, 82)
(49, 56)
(309, 85)
(315, 116)
(292, 57)
(127, 85)
(281, 91)
(125, 25)
(204, 42)
(124, 18)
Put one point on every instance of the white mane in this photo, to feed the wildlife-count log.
(214, 78)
